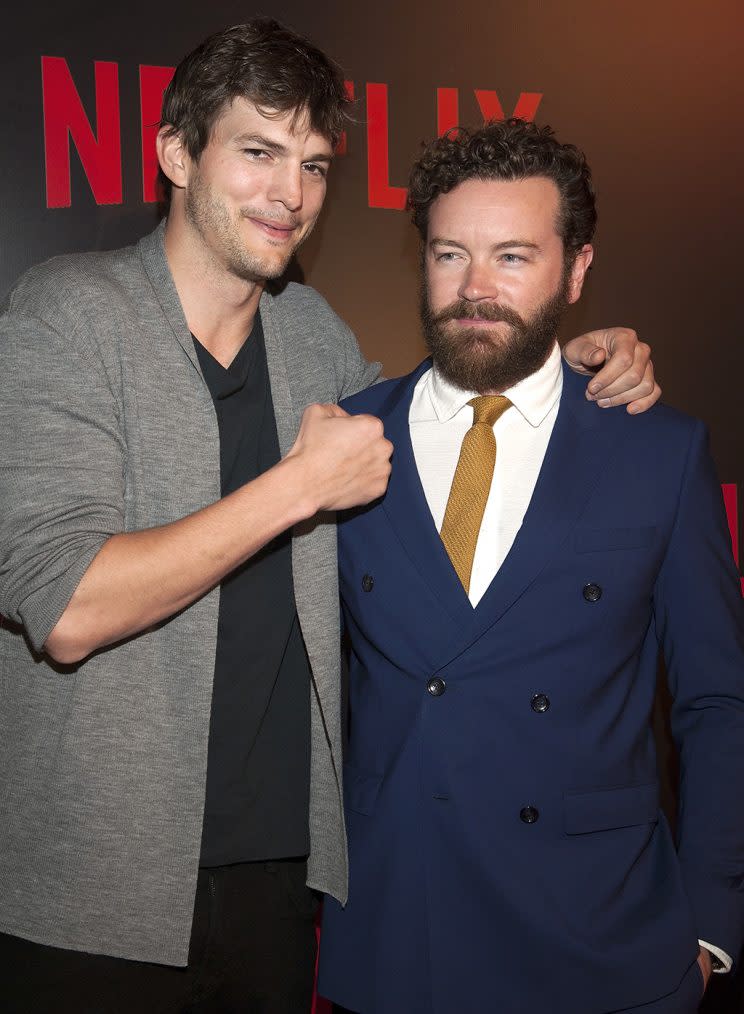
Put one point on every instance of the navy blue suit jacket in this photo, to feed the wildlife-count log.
(507, 850)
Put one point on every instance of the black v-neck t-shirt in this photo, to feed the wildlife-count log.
(258, 769)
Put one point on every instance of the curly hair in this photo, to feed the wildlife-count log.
(512, 149)
(260, 60)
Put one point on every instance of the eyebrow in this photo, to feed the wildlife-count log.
(503, 245)
(276, 147)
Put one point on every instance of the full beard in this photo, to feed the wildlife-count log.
(209, 215)
(486, 360)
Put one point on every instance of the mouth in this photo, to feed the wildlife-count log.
(475, 322)
(274, 230)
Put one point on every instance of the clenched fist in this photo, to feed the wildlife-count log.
(345, 459)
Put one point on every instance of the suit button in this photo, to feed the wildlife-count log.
(540, 703)
(368, 583)
(592, 592)
(436, 686)
(529, 814)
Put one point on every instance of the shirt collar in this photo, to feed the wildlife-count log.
(533, 397)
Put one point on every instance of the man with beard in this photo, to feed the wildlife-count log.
(170, 733)
(506, 602)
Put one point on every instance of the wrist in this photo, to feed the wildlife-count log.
(301, 499)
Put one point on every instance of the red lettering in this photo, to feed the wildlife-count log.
(65, 119)
(380, 193)
(448, 111)
(491, 107)
(341, 146)
(153, 82)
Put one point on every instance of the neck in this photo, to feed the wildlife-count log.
(219, 306)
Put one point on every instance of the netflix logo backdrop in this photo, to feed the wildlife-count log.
(652, 90)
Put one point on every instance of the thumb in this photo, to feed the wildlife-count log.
(593, 356)
(332, 411)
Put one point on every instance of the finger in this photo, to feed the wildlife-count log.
(629, 383)
(588, 360)
(591, 358)
(642, 404)
(333, 411)
(374, 423)
(624, 371)
(641, 397)
(581, 353)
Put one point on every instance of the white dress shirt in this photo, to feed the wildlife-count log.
(440, 417)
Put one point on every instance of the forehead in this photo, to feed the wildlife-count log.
(499, 209)
(242, 116)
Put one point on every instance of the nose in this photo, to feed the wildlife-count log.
(286, 187)
(478, 282)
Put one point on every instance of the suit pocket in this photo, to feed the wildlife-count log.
(600, 540)
(361, 789)
(607, 809)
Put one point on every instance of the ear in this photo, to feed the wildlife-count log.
(578, 271)
(172, 156)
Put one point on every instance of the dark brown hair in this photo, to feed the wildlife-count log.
(510, 149)
(260, 60)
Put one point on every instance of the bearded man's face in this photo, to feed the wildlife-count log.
(496, 281)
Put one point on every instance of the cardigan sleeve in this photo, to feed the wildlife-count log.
(62, 482)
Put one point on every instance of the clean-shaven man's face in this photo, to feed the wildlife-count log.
(496, 281)
(257, 189)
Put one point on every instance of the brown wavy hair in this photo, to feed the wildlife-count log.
(261, 60)
(510, 149)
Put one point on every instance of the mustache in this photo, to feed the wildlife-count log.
(464, 309)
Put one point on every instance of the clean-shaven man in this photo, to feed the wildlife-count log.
(169, 715)
(506, 602)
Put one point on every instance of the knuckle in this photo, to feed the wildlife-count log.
(624, 360)
(628, 333)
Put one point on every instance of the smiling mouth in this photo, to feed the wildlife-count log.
(274, 230)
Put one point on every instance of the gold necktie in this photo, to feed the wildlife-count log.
(471, 485)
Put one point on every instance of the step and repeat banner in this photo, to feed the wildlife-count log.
(649, 90)
(653, 93)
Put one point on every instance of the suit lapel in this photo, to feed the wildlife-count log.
(408, 512)
(575, 457)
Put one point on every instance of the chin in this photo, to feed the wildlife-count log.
(260, 269)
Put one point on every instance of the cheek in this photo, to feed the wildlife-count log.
(313, 202)
(442, 288)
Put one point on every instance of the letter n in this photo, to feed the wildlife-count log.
(65, 119)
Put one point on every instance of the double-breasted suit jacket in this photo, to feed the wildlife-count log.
(507, 849)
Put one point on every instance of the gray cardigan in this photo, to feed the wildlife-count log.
(106, 426)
